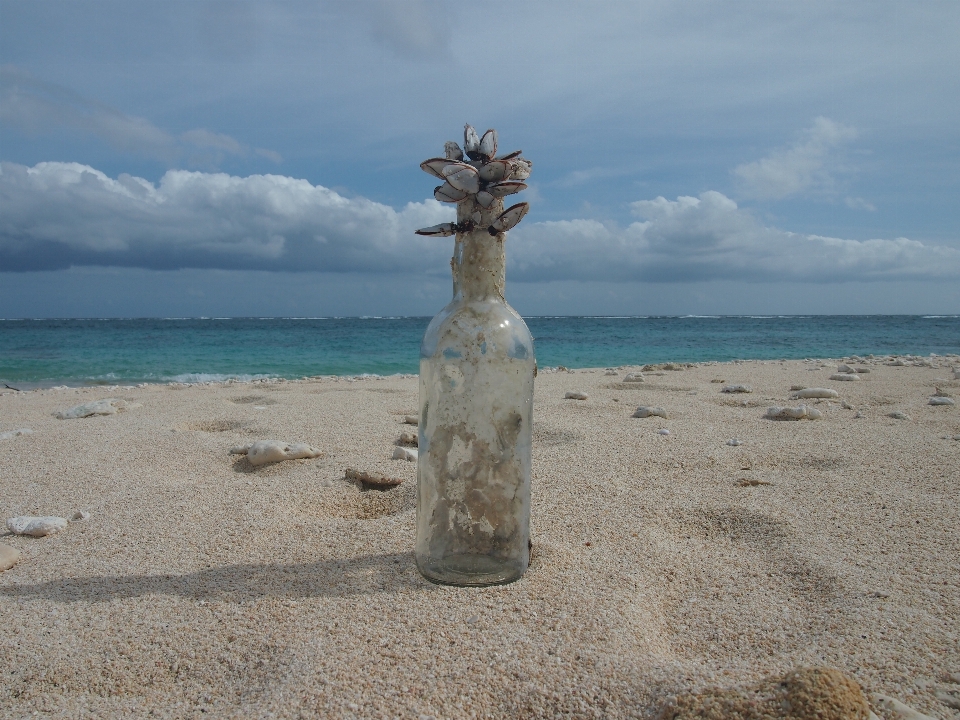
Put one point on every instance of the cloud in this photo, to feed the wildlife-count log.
(858, 203)
(58, 215)
(34, 106)
(805, 166)
(62, 214)
(710, 238)
(413, 29)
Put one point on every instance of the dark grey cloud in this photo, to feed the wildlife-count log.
(58, 215)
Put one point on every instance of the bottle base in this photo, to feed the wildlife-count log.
(469, 570)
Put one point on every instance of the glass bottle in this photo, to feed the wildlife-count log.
(477, 369)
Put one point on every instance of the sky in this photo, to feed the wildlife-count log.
(193, 158)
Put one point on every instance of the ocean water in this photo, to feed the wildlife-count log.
(116, 351)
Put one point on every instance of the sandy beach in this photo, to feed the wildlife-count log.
(663, 563)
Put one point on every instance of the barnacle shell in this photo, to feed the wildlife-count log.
(509, 218)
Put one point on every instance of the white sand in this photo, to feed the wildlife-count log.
(201, 586)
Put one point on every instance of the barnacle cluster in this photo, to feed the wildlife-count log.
(482, 178)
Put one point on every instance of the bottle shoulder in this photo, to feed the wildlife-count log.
(464, 324)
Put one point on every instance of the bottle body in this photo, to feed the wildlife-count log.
(477, 370)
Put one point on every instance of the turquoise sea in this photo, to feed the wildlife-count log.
(123, 351)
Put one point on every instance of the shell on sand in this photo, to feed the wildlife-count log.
(644, 412)
(263, 452)
(372, 478)
(815, 393)
(9, 556)
(108, 406)
(36, 526)
(804, 412)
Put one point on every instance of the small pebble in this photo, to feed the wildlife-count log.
(845, 377)
(369, 478)
(849, 369)
(633, 378)
(402, 453)
(815, 393)
(80, 516)
(941, 401)
(411, 419)
(643, 412)
(611, 372)
(898, 415)
(9, 556)
(472, 619)
(803, 412)
(408, 439)
(663, 431)
(733, 442)
(736, 389)
(36, 526)
(845, 405)
(575, 396)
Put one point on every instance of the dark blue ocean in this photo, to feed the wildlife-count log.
(116, 351)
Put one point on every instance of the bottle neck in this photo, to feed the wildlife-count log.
(479, 262)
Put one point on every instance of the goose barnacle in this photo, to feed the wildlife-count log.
(448, 193)
(485, 199)
(462, 177)
(508, 187)
(488, 145)
(495, 171)
(435, 166)
(452, 151)
(441, 230)
(471, 142)
(521, 169)
(509, 218)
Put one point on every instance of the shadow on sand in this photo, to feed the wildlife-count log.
(239, 583)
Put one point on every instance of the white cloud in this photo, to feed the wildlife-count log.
(33, 106)
(805, 166)
(62, 214)
(858, 203)
(710, 238)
